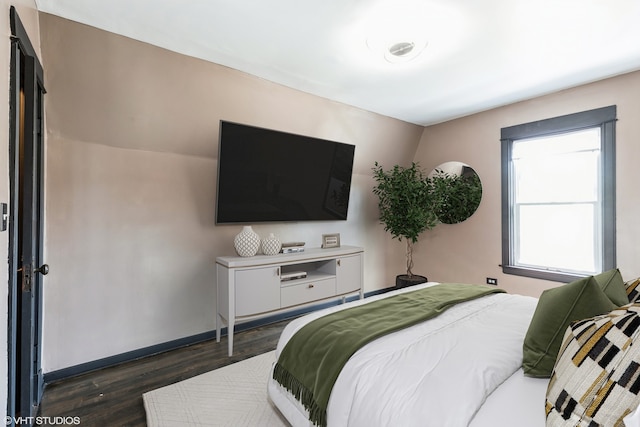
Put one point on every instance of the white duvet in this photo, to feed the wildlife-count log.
(437, 373)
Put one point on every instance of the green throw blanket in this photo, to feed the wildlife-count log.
(313, 358)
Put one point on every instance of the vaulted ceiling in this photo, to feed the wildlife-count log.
(452, 57)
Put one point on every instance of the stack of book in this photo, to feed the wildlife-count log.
(292, 247)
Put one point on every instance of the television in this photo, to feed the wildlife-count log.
(267, 175)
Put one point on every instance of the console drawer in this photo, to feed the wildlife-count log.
(306, 292)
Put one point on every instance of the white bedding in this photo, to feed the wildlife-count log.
(519, 401)
(437, 373)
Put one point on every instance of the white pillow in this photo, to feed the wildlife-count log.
(633, 419)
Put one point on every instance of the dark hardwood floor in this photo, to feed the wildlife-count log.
(113, 396)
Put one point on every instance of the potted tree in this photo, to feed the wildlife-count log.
(406, 203)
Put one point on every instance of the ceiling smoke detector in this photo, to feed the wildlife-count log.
(403, 51)
(402, 48)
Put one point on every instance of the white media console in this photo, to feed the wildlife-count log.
(252, 287)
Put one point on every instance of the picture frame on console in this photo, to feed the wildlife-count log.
(330, 240)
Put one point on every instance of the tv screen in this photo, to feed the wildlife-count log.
(266, 175)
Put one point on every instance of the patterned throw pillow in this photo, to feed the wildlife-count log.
(633, 289)
(596, 378)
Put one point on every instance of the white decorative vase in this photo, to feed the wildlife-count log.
(271, 245)
(247, 242)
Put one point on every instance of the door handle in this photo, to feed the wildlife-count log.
(43, 269)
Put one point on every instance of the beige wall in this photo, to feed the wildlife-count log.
(475, 140)
(131, 166)
(29, 18)
(131, 175)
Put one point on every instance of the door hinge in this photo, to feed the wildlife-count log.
(5, 216)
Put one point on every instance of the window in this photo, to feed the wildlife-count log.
(558, 196)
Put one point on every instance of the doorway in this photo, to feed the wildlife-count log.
(26, 222)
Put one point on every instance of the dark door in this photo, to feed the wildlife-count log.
(25, 226)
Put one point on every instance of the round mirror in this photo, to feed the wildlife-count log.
(458, 191)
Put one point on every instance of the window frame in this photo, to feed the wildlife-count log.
(605, 119)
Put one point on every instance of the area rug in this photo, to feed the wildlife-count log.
(234, 396)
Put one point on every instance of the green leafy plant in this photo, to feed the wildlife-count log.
(406, 203)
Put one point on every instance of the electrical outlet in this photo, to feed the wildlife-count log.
(492, 281)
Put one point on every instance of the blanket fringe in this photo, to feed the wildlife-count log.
(317, 415)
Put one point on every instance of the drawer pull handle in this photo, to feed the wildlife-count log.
(310, 285)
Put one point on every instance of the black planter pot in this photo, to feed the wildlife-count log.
(404, 280)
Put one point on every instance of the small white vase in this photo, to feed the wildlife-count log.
(271, 245)
(247, 242)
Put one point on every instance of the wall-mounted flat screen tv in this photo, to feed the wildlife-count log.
(267, 175)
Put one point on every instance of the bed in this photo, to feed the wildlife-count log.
(471, 355)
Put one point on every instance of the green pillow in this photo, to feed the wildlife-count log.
(612, 284)
(556, 309)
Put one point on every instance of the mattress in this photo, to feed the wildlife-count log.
(481, 386)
